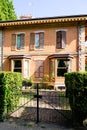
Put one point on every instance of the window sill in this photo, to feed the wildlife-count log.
(60, 48)
(38, 49)
(18, 50)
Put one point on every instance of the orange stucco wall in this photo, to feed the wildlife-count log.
(49, 39)
(49, 45)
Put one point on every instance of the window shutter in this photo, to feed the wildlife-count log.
(22, 41)
(41, 40)
(32, 41)
(58, 39)
(39, 68)
(63, 39)
(13, 43)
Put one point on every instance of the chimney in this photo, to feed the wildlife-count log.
(26, 16)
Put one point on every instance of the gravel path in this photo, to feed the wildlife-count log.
(30, 126)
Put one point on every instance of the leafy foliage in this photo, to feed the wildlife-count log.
(10, 90)
(46, 82)
(27, 82)
(76, 90)
(7, 11)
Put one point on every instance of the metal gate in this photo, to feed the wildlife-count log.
(42, 105)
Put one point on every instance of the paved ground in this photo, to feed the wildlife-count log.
(30, 126)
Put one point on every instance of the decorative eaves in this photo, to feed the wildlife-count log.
(43, 20)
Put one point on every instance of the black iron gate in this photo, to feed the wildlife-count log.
(43, 105)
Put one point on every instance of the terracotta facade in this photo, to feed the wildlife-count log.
(37, 62)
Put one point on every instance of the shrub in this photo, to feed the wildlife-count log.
(27, 82)
(43, 86)
(46, 82)
(10, 89)
(76, 89)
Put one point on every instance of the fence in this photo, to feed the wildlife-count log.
(42, 105)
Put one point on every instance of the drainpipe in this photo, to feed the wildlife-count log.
(2, 51)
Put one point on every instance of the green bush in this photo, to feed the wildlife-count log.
(27, 82)
(43, 86)
(10, 89)
(76, 90)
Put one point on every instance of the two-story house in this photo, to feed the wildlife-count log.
(44, 46)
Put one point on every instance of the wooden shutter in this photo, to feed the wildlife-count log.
(63, 39)
(32, 41)
(39, 68)
(41, 40)
(13, 43)
(22, 41)
(60, 39)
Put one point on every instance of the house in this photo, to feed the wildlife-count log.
(44, 46)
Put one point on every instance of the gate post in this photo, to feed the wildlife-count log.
(37, 102)
(37, 96)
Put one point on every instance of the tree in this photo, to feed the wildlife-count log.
(7, 11)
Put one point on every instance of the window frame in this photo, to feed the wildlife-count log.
(12, 60)
(33, 40)
(13, 68)
(63, 67)
(61, 39)
(14, 44)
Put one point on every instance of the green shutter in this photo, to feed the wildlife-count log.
(32, 41)
(13, 43)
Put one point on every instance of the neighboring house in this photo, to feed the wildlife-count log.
(44, 46)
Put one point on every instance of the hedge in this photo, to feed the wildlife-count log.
(76, 90)
(10, 89)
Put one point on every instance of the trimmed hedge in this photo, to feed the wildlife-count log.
(10, 89)
(76, 90)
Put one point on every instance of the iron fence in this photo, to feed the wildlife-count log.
(42, 105)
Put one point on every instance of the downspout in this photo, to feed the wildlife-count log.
(2, 51)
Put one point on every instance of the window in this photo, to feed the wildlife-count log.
(18, 41)
(17, 66)
(39, 69)
(60, 39)
(20, 64)
(36, 40)
(52, 68)
(62, 66)
(26, 68)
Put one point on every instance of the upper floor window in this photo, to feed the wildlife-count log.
(18, 41)
(60, 39)
(37, 40)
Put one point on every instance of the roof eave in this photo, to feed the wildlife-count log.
(61, 19)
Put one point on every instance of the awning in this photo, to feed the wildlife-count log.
(15, 56)
(60, 56)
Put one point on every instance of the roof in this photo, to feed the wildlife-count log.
(57, 19)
